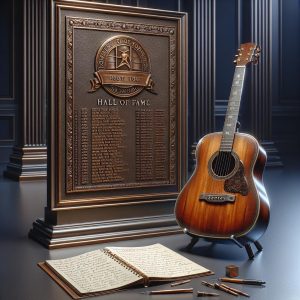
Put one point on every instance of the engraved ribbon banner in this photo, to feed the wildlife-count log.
(121, 78)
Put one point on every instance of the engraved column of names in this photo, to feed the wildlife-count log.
(160, 147)
(144, 145)
(84, 147)
(108, 164)
(76, 164)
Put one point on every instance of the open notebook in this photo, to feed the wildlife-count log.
(110, 269)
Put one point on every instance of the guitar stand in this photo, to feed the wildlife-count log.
(247, 246)
(250, 251)
(193, 242)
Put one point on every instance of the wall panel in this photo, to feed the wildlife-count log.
(227, 41)
(7, 50)
(8, 101)
(9, 123)
(289, 58)
(286, 74)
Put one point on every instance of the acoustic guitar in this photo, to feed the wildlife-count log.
(225, 198)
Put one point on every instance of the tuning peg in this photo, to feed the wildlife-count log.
(255, 61)
(237, 55)
(258, 50)
(257, 55)
(235, 61)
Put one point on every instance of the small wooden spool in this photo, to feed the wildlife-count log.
(232, 271)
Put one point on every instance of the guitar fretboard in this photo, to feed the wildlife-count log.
(233, 109)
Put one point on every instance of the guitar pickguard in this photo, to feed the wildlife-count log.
(237, 183)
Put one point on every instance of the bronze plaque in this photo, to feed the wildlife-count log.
(118, 130)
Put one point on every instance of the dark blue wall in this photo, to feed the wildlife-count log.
(8, 104)
(286, 74)
(231, 27)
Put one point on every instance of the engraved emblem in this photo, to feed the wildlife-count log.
(122, 68)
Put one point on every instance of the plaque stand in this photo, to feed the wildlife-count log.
(59, 236)
(117, 154)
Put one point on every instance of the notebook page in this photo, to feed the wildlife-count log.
(158, 261)
(92, 272)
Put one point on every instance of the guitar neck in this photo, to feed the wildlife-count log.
(233, 109)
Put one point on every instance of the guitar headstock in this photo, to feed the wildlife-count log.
(248, 52)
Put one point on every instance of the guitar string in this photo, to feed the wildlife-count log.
(228, 162)
(220, 160)
(223, 159)
(227, 158)
(224, 162)
(217, 163)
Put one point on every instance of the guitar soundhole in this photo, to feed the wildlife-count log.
(223, 164)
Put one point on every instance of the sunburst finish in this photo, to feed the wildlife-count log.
(248, 216)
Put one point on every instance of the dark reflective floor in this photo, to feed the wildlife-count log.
(278, 264)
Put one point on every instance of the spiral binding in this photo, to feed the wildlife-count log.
(128, 266)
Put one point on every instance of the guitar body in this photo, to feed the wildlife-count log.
(230, 206)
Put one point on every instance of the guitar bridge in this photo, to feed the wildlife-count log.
(217, 198)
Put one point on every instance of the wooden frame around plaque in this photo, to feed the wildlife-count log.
(117, 119)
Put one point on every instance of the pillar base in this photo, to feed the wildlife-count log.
(274, 159)
(27, 163)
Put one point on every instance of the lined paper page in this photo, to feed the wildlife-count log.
(158, 261)
(94, 271)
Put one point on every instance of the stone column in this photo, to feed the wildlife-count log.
(29, 158)
(201, 70)
(261, 80)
